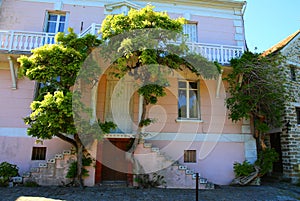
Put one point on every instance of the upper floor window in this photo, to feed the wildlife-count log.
(188, 100)
(55, 22)
(298, 115)
(293, 73)
(190, 30)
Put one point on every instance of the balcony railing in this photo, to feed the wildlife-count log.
(92, 29)
(26, 41)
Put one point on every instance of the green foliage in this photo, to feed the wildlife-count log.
(140, 45)
(107, 126)
(256, 87)
(243, 169)
(146, 182)
(72, 171)
(265, 160)
(145, 18)
(31, 184)
(50, 116)
(151, 92)
(7, 171)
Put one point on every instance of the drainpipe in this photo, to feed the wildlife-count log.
(12, 72)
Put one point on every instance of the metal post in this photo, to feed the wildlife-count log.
(197, 185)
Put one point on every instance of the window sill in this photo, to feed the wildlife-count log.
(189, 120)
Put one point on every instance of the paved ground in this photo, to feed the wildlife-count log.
(267, 192)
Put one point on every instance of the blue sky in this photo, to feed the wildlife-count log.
(267, 22)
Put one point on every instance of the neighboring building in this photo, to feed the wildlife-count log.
(286, 140)
(215, 30)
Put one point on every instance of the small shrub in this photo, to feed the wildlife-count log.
(146, 182)
(31, 184)
(72, 172)
(243, 169)
(7, 171)
(265, 160)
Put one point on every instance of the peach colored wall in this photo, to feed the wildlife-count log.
(85, 14)
(21, 15)
(213, 111)
(213, 30)
(18, 150)
(217, 166)
(14, 17)
(14, 103)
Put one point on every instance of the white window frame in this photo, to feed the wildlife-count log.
(59, 14)
(191, 30)
(187, 90)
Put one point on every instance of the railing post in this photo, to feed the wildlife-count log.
(197, 186)
(11, 41)
(93, 29)
(222, 56)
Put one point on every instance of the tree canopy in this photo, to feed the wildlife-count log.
(256, 88)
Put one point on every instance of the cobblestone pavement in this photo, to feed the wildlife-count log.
(267, 192)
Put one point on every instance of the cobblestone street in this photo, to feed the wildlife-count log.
(270, 191)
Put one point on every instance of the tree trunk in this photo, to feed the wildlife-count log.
(138, 170)
(78, 179)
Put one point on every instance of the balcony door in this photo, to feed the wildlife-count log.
(119, 105)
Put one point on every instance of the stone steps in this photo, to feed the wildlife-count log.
(53, 171)
(175, 174)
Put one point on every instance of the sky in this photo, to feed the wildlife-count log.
(267, 22)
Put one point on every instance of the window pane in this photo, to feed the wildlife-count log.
(182, 84)
(193, 100)
(193, 85)
(62, 18)
(51, 27)
(52, 17)
(61, 27)
(190, 156)
(182, 104)
(38, 153)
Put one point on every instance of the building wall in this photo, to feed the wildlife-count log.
(226, 141)
(14, 104)
(216, 26)
(290, 142)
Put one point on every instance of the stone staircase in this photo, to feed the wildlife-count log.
(175, 174)
(52, 172)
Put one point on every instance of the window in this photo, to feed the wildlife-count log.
(190, 156)
(190, 30)
(55, 23)
(38, 153)
(298, 115)
(293, 73)
(188, 100)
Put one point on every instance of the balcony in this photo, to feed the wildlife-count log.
(25, 41)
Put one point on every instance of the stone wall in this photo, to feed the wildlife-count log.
(290, 141)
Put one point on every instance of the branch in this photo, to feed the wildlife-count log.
(67, 139)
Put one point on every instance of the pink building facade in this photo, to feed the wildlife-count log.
(200, 140)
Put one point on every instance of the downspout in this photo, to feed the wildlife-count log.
(219, 84)
(12, 72)
(243, 12)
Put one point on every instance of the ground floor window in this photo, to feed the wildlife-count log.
(188, 100)
(298, 115)
(190, 156)
(38, 153)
